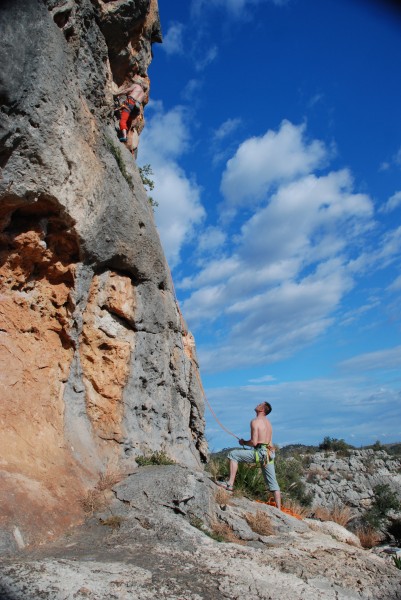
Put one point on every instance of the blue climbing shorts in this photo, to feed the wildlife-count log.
(243, 455)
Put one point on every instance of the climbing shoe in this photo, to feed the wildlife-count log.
(225, 485)
(123, 139)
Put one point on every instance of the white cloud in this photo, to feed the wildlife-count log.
(353, 315)
(264, 379)
(305, 411)
(166, 135)
(211, 239)
(261, 162)
(392, 203)
(274, 325)
(206, 59)
(164, 139)
(172, 40)
(315, 100)
(226, 129)
(387, 359)
(396, 285)
(395, 160)
(301, 219)
(191, 89)
(387, 250)
(215, 271)
(179, 209)
(282, 278)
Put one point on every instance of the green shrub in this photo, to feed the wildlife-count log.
(334, 445)
(397, 561)
(156, 458)
(394, 449)
(384, 501)
(289, 473)
(250, 483)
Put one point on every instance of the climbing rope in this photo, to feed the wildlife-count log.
(201, 384)
(271, 501)
(211, 409)
(185, 331)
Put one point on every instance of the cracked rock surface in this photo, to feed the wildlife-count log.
(151, 542)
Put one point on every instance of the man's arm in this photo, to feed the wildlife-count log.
(130, 87)
(254, 437)
(123, 91)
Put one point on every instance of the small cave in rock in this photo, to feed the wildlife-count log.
(62, 16)
(41, 235)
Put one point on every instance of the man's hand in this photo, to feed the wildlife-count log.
(242, 442)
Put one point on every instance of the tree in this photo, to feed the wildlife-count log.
(146, 172)
(334, 444)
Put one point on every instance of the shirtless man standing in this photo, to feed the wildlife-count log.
(262, 452)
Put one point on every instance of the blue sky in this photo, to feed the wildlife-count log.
(274, 134)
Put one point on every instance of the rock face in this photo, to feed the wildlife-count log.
(94, 365)
(350, 480)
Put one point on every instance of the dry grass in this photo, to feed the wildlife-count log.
(114, 522)
(222, 532)
(368, 537)
(95, 499)
(297, 508)
(260, 523)
(214, 469)
(222, 497)
(339, 514)
(109, 478)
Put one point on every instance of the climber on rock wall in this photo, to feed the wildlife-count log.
(261, 452)
(130, 109)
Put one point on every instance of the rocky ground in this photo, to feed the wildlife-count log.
(151, 543)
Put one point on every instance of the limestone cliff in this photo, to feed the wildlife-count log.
(93, 367)
(349, 478)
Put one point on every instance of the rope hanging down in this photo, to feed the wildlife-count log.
(184, 329)
(211, 409)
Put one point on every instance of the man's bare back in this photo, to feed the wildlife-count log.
(261, 431)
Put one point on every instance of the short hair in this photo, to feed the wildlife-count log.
(268, 408)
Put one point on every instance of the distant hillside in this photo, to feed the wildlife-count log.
(393, 448)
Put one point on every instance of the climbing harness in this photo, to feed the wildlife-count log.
(129, 104)
(265, 450)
